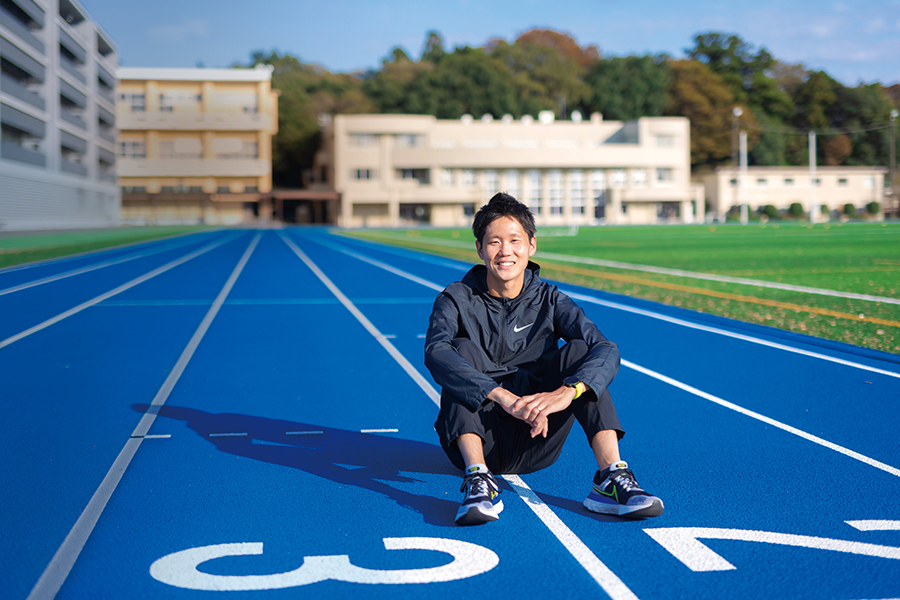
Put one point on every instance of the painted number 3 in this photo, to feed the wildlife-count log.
(180, 569)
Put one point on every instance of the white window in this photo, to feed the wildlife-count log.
(447, 178)
(665, 175)
(363, 174)
(134, 102)
(557, 192)
(534, 193)
(665, 140)
(598, 181)
(842, 182)
(232, 148)
(409, 140)
(364, 140)
(762, 182)
(639, 178)
(423, 176)
(133, 149)
(576, 188)
(788, 181)
(468, 178)
(169, 100)
(511, 183)
(181, 148)
(238, 101)
(619, 178)
(868, 182)
(491, 183)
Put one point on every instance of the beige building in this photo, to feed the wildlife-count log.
(782, 186)
(393, 170)
(195, 145)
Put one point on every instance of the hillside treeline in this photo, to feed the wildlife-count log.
(549, 70)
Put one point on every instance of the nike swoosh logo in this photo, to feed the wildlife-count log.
(517, 329)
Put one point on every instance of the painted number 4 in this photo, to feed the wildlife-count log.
(684, 543)
(180, 569)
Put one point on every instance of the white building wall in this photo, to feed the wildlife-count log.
(48, 196)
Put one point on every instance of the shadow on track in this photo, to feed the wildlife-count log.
(363, 460)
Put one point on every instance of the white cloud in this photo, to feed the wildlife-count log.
(189, 28)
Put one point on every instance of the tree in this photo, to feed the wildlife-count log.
(434, 47)
(629, 87)
(836, 149)
(733, 59)
(703, 97)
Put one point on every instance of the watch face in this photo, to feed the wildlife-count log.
(571, 381)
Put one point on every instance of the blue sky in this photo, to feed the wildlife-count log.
(853, 40)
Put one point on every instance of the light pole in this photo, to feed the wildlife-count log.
(894, 197)
(736, 113)
(812, 176)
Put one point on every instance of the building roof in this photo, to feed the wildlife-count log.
(260, 73)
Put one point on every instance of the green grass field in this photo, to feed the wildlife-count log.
(860, 258)
(16, 249)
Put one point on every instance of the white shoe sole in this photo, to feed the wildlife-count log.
(476, 514)
(651, 508)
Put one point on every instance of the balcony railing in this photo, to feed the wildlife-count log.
(9, 85)
(72, 69)
(72, 119)
(72, 167)
(16, 26)
(13, 151)
(126, 120)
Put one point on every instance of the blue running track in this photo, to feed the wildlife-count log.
(245, 414)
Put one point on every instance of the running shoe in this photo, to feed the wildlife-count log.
(615, 492)
(482, 502)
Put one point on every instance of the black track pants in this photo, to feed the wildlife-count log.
(508, 445)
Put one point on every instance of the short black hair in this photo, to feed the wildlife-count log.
(503, 205)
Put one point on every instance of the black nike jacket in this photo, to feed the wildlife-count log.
(520, 333)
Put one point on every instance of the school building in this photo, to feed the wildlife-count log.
(195, 145)
(395, 170)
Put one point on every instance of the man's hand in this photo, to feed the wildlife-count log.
(511, 403)
(535, 408)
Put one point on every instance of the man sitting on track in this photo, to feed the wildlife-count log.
(509, 392)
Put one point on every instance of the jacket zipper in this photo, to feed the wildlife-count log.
(503, 302)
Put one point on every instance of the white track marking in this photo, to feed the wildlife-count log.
(93, 267)
(587, 559)
(744, 411)
(379, 337)
(731, 334)
(604, 577)
(659, 316)
(807, 436)
(684, 544)
(874, 525)
(228, 434)
(158, 436)
(303, 432)
(379, 431)
(688, 274)
(58, 570)
(111, 293)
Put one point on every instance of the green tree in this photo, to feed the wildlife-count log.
(703, 97)
(628, 87)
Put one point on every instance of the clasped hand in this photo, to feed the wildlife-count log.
(535, 408)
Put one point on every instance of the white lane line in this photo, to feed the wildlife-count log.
(379, 431)
(111, 293)
(228, 434)
(158, 436)
(874, 525)
(303, 432)
(94, 267)
(661, 317)
(587, 559)
(395, 354)
(795, 431)
(731, 334)
(58, 570)
(680, 273)
(755, 415)
(604, 577)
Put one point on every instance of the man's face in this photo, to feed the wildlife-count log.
(505, 250)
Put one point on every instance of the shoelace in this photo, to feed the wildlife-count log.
(625, 479)
(479, 484)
